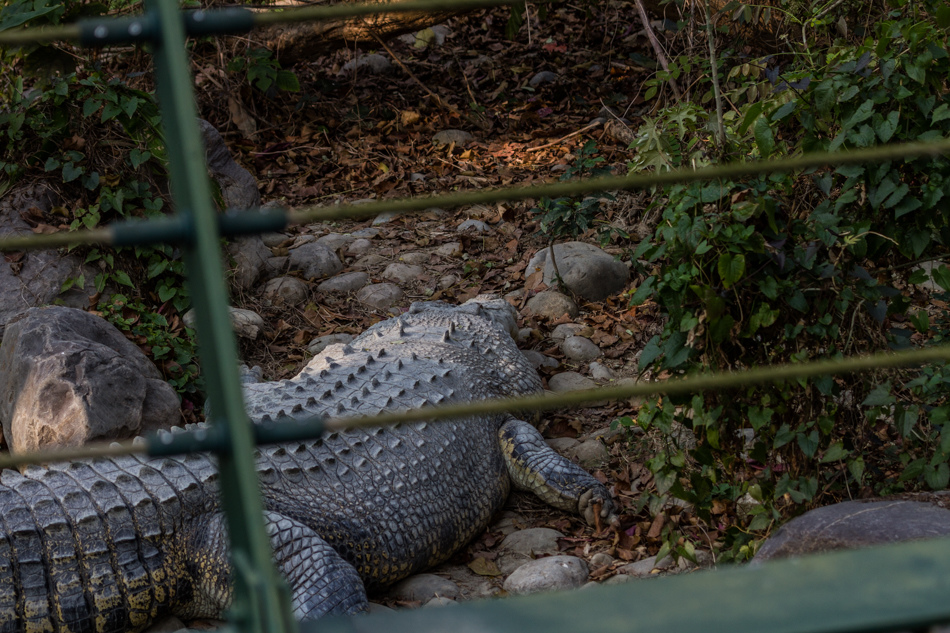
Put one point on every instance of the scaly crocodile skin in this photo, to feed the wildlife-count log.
(111, 545)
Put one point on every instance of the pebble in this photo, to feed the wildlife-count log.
(601, 559)
(272, 240)
(474, 225)
(367, 233)
(403, 273)
(449, 249)
(543, 77)
(320, 343)
(371, 260)
(566, 330)
(590, 454)
(570, 381)
(532, 541)
(414, 258)
(424, 587)
(538, 360)
(562, 444)
(375, 63)
(315, 261)
(335, 241)
(599, 371)
(447, 137)
(379, 296)
(359, 247)
(286, 290)
(439, 601)
(580, 349)
(384, 218)
(447, 281)
(347, 282)
(552, 305)
(547, 574)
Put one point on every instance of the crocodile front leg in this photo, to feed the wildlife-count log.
(321, 582)
(536, 467)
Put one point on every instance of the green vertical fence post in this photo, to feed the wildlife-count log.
(261, 600)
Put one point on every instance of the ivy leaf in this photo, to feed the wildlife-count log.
(881, 395)
(110, 111)
(287, 81)
(940, 114)
(937, 477)
(885, 128)
(731, 268)
(941, 275)
(764, 138)
(856, 468)
(864, 112)
(71, 172)
(643, 292)
(122, 277)
(835, 453)
(651, 351)
(137, 157)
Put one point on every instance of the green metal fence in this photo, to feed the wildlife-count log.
(904, 586)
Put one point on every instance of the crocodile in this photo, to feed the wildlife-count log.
(111, 545)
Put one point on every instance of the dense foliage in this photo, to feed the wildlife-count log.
(794, 267)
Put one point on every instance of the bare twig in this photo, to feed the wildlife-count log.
(589, 126)
(657, 48)
(714, 66)
(442, 103)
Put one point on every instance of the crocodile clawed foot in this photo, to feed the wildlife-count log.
(596, 508)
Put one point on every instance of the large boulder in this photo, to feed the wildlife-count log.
(587, 271)
(68, 377)
(856, 524)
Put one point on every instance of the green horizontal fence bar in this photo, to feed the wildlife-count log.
(140, 28)
(891, 588)
(894, 151)
(279, 431)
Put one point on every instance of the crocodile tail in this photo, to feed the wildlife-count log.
(83, 548)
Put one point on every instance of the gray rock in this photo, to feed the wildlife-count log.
(856, 524)
(320, 343)
(367, 233)
(566, 330)
(586, 270)
(599, 371)
(619, 579)
(335, 241)
(543, 77)
(277, 265)
(562, 444)
(641, 568)
(415, 258)
(524, 335)
(359, 247)
(601, 559)
(375, 607)
(532, 541)
(538, 360)
(374, 63)
(403, 273)
(346, 282)
(449, 249)
(288, 291)
(246, 323)
(385, 218)
(379, 296)
(476, 226)
(273, 240)
(250, 375)
(580, 349)
(552, 305)
(424, 587)
(547, 574)
(439, 601)
(447, 281)
(448, 137)
(590, 454)
(315, 261)
(68, 377)
(366, 262)
(238, 186)
(570, 381)
(250, 257)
